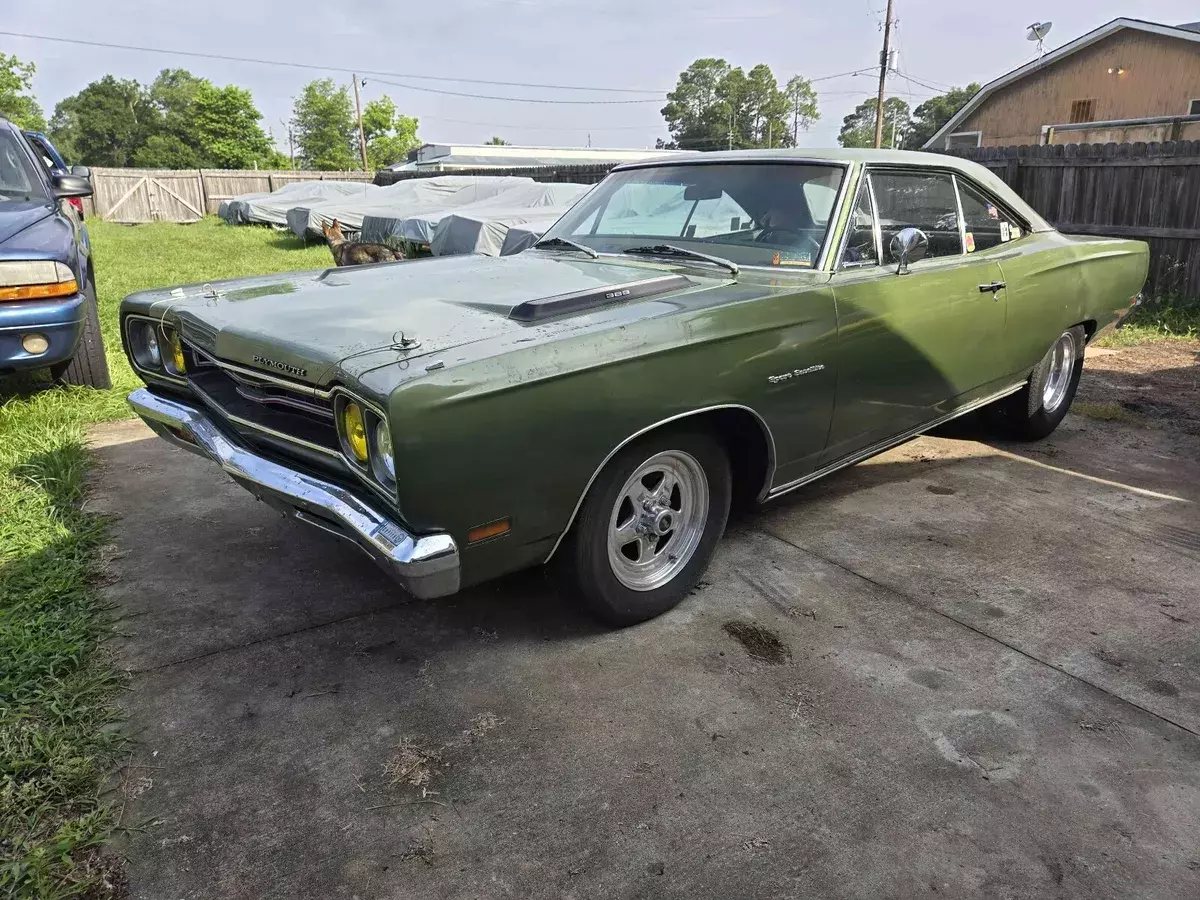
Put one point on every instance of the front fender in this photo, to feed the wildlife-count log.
(519, 436)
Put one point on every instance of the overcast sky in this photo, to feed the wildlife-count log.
(634, 44)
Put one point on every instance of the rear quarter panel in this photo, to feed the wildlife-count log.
(1056, 281)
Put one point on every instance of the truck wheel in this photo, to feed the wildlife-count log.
(89, 365)
(1035, 411)
(649, 526)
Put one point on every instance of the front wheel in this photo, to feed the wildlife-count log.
(89, 365)
(1035, 411)
(649, 526)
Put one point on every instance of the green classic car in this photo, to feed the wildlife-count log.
(695, 332)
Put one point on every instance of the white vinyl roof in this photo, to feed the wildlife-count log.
(1183, 32)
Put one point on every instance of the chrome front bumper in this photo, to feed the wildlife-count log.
(426, 566)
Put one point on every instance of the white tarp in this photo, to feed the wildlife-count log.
(483, 227)
(414, 218)
(397, 202)
(271, 208)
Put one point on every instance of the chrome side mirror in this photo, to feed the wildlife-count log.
(908, 245)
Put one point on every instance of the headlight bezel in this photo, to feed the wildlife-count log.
(137, 327)
(372, 471)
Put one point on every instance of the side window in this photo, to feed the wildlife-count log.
(924, 200)
(860, 240)
(987, 224)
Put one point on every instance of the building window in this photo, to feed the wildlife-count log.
(1194, 108)
(1083, 111)
(963, 140)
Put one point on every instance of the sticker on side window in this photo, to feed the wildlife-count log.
(1005, 232)
(970, 242)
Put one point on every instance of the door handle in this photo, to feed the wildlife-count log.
(992, 288)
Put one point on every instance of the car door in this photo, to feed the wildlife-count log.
(911, 347)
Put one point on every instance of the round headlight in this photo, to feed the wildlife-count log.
(150, 341)
(355, 430)
(176, 352)
(384, 461)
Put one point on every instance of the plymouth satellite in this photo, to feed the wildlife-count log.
(695, 332)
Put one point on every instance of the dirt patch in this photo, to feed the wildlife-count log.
(1156, 383)
(761, 643)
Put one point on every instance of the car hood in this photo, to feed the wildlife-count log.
(17, 215)
(309, 325)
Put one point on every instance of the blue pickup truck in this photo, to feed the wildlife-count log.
(48, 315)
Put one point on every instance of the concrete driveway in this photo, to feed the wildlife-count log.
(959, 670)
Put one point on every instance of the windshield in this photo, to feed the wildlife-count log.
(18, 179)
(756, 214)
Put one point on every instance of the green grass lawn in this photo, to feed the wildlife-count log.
(58, 688)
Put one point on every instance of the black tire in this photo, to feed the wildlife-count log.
(586, 557)
(1024, 416)
(89, 365)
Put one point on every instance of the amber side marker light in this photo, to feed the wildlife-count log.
(491, 530)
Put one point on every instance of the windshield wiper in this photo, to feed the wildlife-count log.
(563, 242)
(672, 250)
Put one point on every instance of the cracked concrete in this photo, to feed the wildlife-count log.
(990, 689)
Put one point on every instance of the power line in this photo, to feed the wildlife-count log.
(516, 127)
(429, 90)
(321, 68)
(912, 80)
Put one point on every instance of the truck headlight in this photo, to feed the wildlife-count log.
(36, 279)
(383, 460)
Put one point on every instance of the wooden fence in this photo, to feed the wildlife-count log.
(1150, 192)
(185, 195)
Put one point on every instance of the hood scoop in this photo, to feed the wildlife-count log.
(578, 301)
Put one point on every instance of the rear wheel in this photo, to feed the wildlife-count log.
(649, 526)
(89, 365)
(1035, 411)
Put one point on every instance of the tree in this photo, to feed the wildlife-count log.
(802, 105)
(16, 100)
(104, 124)
(935, 112)
(324, 126)
(389, 135)
(858, 128)
(498, 142)
(225, 124)
(715, 106)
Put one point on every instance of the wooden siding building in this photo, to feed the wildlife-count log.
(1126, 81)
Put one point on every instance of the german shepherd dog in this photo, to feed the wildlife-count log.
(349, 253)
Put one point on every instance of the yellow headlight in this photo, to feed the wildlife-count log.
(355, 430)
(177, 353)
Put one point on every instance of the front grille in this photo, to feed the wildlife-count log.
(261, 407)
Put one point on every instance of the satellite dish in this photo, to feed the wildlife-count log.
(1037, 32)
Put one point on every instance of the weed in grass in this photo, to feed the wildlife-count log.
(1159, 318)
(1107, 411)
(58, 687)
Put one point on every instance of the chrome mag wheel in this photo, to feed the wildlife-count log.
(1058, 378)
(658, 520)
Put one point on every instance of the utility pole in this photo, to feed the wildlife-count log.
(291, 142)
(362, 141)
(883, 67)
